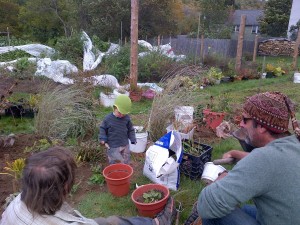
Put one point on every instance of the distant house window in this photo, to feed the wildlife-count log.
(236, 28)
(255, 30)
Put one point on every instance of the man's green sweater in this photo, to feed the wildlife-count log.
(270, 176)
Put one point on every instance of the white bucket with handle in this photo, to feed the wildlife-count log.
(211, 172)
(141, 143)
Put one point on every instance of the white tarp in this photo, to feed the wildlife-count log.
(92, 57)
(36, 50)
(56, 70)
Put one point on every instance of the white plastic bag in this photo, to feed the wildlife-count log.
(163, 159)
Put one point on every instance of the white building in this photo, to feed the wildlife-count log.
(295, 15)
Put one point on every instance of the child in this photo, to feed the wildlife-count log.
(116, 129)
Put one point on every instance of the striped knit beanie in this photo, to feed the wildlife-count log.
(272, 110)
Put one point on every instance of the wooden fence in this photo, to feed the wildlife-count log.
(191, 46)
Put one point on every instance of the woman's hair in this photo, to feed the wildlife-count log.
(48, 177)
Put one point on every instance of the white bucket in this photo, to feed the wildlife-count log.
(211, 171)
(141, 143)
(296, 77)
(184, 115)
(107, 100)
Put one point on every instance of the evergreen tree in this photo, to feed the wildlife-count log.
(276, 19)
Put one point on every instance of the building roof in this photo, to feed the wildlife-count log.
(251, 19)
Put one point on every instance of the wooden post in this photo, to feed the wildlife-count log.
(296, 51)
(158, 40)
(8, 38)
(197, 39)
(201, 49)
(134, 43)
(239, 53)
(255, 48)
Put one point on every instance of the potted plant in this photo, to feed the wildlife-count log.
(195, 155)
(150, 199)
(215, 74)
(135, 93)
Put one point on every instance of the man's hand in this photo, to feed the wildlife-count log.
(236, 154)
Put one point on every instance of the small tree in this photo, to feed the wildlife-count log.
(276, 18)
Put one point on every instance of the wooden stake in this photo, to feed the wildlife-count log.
(239, 53)
(255, 48)
(296, 51)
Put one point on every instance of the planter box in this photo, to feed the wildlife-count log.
(192, 164)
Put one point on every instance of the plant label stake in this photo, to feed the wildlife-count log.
(179, 210)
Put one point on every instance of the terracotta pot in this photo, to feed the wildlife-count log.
(117, 177)
(150, 209)
(135, 96)
(213, 119)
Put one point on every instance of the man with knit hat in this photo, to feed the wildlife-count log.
(269, 175)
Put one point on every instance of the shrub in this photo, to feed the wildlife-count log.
(71, 49)
(153, 66)
(12, 55)
(119, 64)
(24, 69)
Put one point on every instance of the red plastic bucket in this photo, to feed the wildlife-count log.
(150, 209)
(117, 177)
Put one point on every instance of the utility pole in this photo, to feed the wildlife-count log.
(134, 43)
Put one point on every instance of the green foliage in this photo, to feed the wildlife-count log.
(159, 17)
(276, 18)
(13, 41)
(214, 14)
(9, 124)
(98, 43)
(119, 64)
(41, 145)
(97, 177)
(15, 168)
(215, 73)
(152, 196)
(90, 151)
(75, 188)
(294, 31)
(70, 48)
(24, 68)
(9, 17)
(12, 55)
(153, 66)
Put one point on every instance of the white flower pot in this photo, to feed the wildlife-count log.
(210, 172)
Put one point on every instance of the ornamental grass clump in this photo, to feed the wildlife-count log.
(176, 93)
(66, 113)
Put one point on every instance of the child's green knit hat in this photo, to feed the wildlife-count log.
(123, 104)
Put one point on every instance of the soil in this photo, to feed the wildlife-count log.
(27, 140)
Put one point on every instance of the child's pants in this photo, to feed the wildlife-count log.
(119, 155)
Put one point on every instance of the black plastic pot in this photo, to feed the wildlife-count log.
(240, 135)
